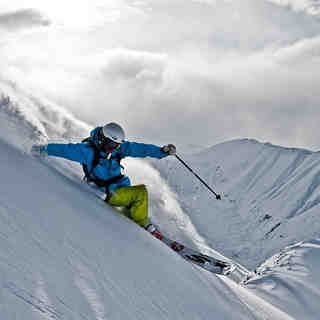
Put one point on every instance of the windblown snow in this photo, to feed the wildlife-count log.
(64, 254)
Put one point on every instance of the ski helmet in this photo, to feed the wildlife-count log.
(114, 132)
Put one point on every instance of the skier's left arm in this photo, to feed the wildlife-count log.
(142, 150)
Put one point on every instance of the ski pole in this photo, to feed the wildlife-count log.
(218, 197)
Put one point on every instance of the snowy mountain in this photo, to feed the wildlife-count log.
(65, 255)
(270, 197)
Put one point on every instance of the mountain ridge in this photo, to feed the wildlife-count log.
(266, 189)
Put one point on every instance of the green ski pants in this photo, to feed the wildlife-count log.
(135, 199)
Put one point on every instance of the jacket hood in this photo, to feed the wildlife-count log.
(94, 135)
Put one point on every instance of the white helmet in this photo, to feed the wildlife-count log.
(114, 132)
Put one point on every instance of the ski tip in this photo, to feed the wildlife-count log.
(229, 269)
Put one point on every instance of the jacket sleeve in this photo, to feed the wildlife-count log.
(141, 150)
(77, 152)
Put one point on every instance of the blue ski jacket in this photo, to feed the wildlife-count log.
(108, 166)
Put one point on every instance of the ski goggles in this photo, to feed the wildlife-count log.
(107, 142)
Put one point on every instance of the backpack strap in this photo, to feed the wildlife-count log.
(95, 160)
(97, 156)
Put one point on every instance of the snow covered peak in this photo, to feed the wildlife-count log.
(270, 196)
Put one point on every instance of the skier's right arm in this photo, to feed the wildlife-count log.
(77, 152)
(72, 151)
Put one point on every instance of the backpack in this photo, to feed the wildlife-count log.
(97, 156)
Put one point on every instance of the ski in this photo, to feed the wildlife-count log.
(206, 262)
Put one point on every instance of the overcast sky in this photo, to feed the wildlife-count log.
(173, 71)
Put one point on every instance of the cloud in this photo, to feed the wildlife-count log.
(21, 19)
(127, 65)
(187, 72)
(311, 7)
(301, 53)
(119, 84)
(270, 95)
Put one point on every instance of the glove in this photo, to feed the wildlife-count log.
(169, 149)
(39, 150)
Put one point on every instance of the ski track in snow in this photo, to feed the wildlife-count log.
(42, 294)
(82, 278)
(39, 304)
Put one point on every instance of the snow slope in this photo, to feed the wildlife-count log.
(290, 279)
(65, 255)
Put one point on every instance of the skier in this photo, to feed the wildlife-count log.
(100, 156)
